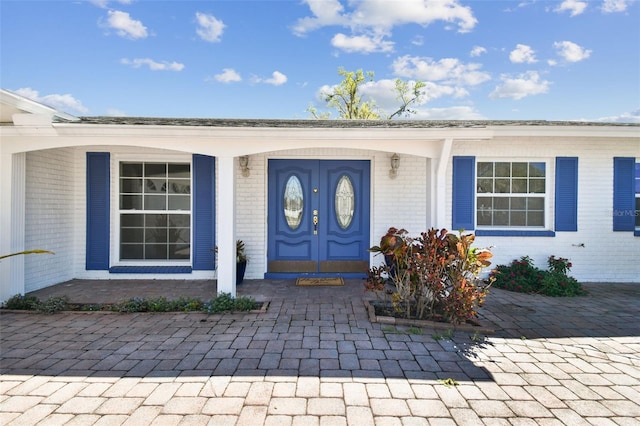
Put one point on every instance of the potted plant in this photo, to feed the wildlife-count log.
(241, 260)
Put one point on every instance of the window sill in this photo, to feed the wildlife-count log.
(506, 233)
(150, 270)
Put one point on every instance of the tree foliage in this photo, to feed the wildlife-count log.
(407, 94)
(346, 98)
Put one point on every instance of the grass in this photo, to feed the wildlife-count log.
(446, 335)
(389, 329)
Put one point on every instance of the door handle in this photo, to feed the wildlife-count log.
(315, 224)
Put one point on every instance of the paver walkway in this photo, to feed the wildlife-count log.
(315, 359)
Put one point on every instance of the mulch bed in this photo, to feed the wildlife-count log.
(383, 313)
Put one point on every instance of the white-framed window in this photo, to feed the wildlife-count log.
(637, 187)
(511, 194)
(154, 211)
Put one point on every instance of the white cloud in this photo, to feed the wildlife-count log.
(277, 79)
(611, 6)
(66, 102)
(209, 27)
(477, 51)
(115, 112)
(576, 7)
(451, 113)
(627, 117)
(228, 75)
(326, 13)
(520, 5)
(104, 3)
(524, 85)
(372, 20)
(571, 52)
(447, 70)
(361, 43)
(125, 26)
(386, 14)
(522, 54)
(153, 65)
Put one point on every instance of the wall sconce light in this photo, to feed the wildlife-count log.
(244, 165)
(395, 164)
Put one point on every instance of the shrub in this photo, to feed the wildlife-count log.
(244, 304)
(31, 303)
(522, 276)
(159, 304)
(53, 305)
(556, 282)
(135, 304)
(224, 302)
(433, 275)
(21, 302)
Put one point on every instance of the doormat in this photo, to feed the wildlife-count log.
(319, 281)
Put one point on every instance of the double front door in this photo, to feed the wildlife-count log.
(318, 216)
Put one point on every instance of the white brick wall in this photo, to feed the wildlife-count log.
(56, 206)
(50, 221)
(400, 202)
(597, 253)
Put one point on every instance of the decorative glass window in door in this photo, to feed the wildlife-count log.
(293, 202)
(155, 211)
(344, 201)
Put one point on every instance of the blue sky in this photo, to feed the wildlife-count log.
(480, 59)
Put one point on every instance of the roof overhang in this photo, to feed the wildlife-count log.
(22, 111)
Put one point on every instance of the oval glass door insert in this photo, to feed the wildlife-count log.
(345, 202)
(293, 202)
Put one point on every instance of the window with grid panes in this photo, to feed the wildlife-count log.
(510, 194)
(155, 211)
(637, 186)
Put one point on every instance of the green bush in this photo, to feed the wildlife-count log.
(31, 303)
(159, 304)
(224, 302)
(135, 304)
(53, 305)
(522, 276)
(21, 302)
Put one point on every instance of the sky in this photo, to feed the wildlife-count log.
(479, 59)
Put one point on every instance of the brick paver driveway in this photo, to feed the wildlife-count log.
(315, 359)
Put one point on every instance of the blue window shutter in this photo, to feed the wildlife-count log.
(203, 170)
(623, 193)
(98, 210)
(464, 194)
(566, 201)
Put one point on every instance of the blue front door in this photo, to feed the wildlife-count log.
(318, 217)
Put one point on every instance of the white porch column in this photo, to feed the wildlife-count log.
(441, 185)
(12, 217)
(226, 236)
